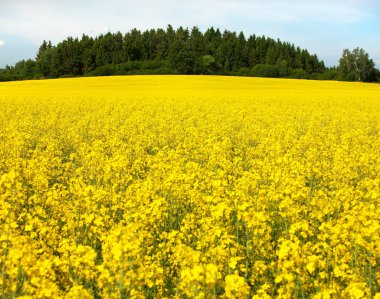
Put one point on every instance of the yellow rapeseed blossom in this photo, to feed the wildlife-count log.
(189, 187)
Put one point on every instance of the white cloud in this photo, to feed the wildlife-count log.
(106, 29)
(318, 25)
(42, 19)
(2, 43)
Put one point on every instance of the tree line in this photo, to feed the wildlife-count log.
(175, 51)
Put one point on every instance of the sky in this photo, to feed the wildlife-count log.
(323, 27)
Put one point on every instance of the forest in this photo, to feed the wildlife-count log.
(181, 51)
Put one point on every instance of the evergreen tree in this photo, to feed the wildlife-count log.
(174, 51)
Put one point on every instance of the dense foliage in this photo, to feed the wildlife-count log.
(189, 187)
(181, 51)
(356, 65)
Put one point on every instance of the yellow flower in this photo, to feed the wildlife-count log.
(235, 286)
(189, 186)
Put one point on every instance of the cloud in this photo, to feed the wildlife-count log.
(321, 26)
(271, 11)
(42, 19)
(106, 29)
(2, 43)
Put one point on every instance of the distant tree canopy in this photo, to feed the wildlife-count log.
(170, 51)
(356, 65)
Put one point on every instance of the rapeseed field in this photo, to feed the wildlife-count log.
(189, 187)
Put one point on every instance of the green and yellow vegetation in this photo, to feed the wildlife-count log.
(189, 187)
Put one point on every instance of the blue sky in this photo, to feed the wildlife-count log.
(324, 27)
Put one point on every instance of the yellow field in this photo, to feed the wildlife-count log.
(189, 187)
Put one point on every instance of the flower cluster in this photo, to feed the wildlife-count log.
(189, 187)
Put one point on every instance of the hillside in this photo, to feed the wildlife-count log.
(170, 51)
